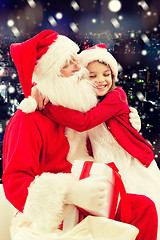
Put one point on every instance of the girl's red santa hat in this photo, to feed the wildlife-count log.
(44, 52)
(99, 53)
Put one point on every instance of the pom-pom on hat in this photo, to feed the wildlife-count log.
(43, 51)
(99, 53)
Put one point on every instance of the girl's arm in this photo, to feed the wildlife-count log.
(114, 104)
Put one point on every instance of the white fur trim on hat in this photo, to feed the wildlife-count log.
(54, 59)
(28, 105)
(99, 54)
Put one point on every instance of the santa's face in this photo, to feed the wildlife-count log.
(101, 77)
(70, 67)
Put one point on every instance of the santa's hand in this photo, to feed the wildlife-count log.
(89, 194)
(39, 97)
(135, 119)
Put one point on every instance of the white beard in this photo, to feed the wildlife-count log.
(75, 94)
(70, 92)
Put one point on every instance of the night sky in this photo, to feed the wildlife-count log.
(90, 21)
(94, 16)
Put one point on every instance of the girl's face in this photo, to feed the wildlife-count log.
(70, 67)
(101, 75)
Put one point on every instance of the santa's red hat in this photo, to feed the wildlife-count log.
(99, 53)
(44, 50)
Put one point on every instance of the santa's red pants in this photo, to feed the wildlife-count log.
(144, 216)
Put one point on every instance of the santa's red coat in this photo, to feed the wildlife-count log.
(33, 144)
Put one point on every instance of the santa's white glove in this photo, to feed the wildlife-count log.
(89, 194)
(135, 119)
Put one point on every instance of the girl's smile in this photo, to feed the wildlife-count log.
(101, 77)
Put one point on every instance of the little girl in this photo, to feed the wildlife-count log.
(119, 141)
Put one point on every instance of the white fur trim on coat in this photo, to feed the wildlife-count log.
(99, 54)
(78, 146)
(45, 203)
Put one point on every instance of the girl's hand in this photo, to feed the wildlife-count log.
(39, 97)
(134, 119)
